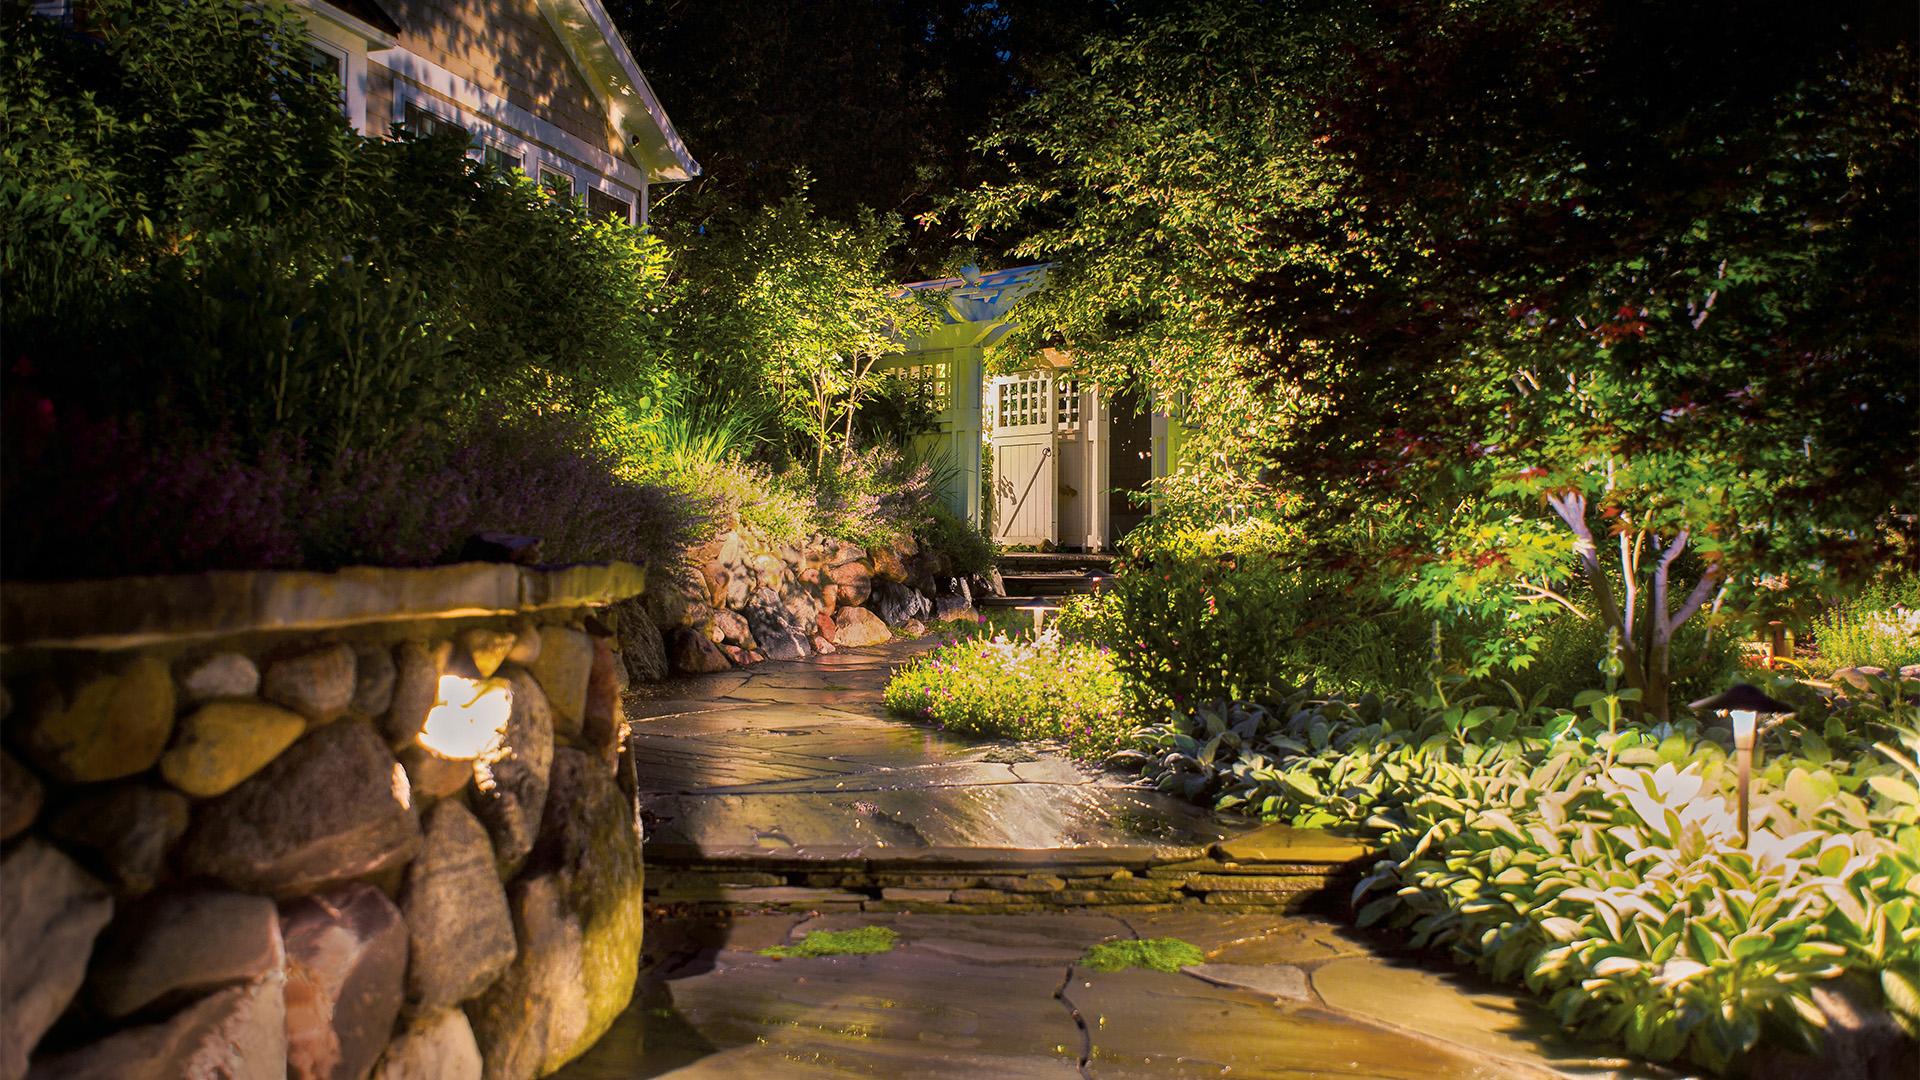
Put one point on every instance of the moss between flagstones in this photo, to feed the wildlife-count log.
(864, 941)
(1161, 954)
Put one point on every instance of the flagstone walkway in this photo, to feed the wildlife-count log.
(787, 763)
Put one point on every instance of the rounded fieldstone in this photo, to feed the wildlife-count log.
(526, 643)
(21, 794)
(852, 582)
(222, 675)
(346, 965)
(566, 661)
(456, 911)
(237, 1034)
(129, 828)
(433, 1046)
(578, 919)
(510, 778)
(105, 726)
(433, 776)
(182, 946)
(487, 647)
(334, 807)
(856, 627)
(373, 679)
(318, 684)
(224, 742)
(50, 912)
(416, 686)
(642, 650)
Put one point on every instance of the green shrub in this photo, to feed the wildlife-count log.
(1879, 627)
(1598, 861)
(966, 550)
(1231, 612)
(1015, 689)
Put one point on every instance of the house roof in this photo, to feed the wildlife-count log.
(594, 43)
(977, 296)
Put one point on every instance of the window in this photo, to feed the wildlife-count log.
(324, 58)
(602, 205)
(501, 158)
(557, 183)
(421, 122)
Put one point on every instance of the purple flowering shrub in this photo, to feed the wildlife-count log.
(82, 498)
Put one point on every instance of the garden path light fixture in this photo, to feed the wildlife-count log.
(1742, 704)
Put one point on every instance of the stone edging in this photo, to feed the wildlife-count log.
(121, 613)
(1274, 868)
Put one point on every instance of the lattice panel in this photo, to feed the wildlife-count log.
(1023, 402)
(936, 377)
(1067, 407)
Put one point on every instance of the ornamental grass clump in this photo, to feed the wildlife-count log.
(1044, 688)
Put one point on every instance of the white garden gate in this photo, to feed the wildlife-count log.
(1049, 461)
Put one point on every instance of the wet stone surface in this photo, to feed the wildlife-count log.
(788, 783)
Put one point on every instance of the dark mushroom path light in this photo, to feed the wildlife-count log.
(1742, 704)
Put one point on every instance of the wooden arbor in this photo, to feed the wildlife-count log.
(1065, 453)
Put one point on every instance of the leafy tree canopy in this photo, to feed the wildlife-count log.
(1513, 283)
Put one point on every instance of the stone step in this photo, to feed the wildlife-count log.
(1274, 868)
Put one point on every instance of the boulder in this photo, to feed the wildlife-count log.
(510, 777)
(896, 604)
(691, 653)
(346, 970)
(770, 572)
(21, 795)
(733, 628)
(318, 684)
(892, 562)
(823, 645)
(829, 599)
(824, 626)
(456, 912)
(526, 643)
(182, 946)
(433, 1046)
(738, 656)
(852, 582)
(845, 553)
(642, 650)
(50, 912)
(956, 603)
(802, 606)
(221, 675)
(128, 828)
(566, 660)
(1856, 677)
(334, 807)
(487, 647)
(578, 916)
(432, 776)
(774, 630)
(224, 742)
(416, 686)
(604, 730)
(913, 628)
(373, 679)
(236, 1034)
(105, 726)
(857, 628)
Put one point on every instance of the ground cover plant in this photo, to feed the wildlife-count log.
(1042, 688)
(1599, 861)
(862, 941)
(1155, 954)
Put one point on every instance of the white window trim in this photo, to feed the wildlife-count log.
(490, 110)
(534, 157)
(344, 44)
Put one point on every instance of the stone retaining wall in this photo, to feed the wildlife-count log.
(1274, 869)
(379, 822)
(742, 598)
